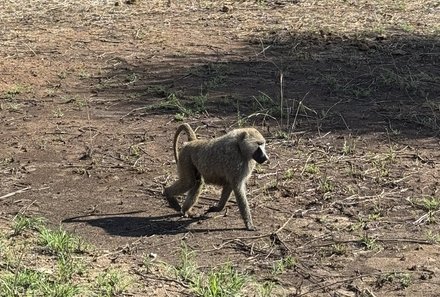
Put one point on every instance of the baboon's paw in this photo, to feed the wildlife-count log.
(174, 204)
(189, 214)
(251, 228)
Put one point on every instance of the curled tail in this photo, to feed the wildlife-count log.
(191, 136)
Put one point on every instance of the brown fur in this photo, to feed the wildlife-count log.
(226, 161)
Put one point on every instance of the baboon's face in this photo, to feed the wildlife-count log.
(254, 145)
(260, 154)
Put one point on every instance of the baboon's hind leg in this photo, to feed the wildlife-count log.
(187, 178)
(179, 187)
(226, 193)
(192, 197)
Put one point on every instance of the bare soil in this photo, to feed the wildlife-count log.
(352, 187)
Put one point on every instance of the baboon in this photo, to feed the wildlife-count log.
(226, 161)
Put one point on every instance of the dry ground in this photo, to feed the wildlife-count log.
(92, 91)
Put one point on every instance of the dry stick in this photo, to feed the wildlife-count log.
(137, 160)
(161, 278)
(346, 280)
(90, 128)
(31, 49)
(285, 224)
(15, 192)
(252, 237)
(410, 240)
(305, 164)
(425, 217)
(370, 292)
(345, 123)
(300, 103)
(263, 52)
(313, 240)
(25, 208)
(121, 249)
(132, 111)
(264, 49)
(282, 98)
(407, 240)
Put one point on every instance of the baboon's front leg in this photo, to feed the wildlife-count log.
(243, 206)
(226, 193)
(192, 197)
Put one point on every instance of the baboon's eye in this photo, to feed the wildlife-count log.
(260, 143)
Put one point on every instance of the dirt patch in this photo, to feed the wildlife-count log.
(91, 94)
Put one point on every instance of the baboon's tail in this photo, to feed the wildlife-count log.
(191, 136)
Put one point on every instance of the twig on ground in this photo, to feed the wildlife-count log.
(285, 223)
(132, 111)
(30, 49)
(425, 217)
(15, 192)
(269, 234)
(407, 240)
(122, 249)
(305, 164)
(370, 292)
(25, 208)
(162, 279)
(325, 286)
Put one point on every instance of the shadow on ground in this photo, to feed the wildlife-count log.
(362, 84)
(127, 225)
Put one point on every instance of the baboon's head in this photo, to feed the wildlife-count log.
(253, 144)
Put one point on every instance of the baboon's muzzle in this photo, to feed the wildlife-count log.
(259, 156)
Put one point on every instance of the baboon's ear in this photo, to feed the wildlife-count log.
(243, 135)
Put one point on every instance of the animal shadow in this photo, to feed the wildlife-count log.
(125, 224)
